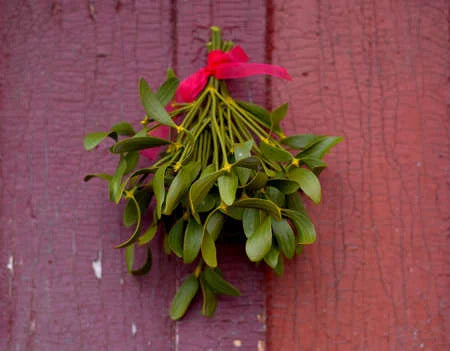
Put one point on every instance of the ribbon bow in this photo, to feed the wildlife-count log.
(224, 65)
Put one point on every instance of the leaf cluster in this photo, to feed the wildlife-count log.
(226, 161)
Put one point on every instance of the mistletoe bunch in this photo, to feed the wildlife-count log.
(224, 161)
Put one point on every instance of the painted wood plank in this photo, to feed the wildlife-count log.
(69, 68)
(377, 278)
(239, 323)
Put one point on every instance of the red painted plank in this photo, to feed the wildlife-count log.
(68, 68)
(377, 278)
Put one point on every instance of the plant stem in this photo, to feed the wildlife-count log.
(216, 38)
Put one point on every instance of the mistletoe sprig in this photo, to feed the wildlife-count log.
(225, 161)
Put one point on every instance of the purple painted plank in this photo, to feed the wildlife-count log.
(68, 68)
(239, 322)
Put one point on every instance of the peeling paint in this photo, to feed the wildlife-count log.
(133, 329)
(261, 345)
(97, 266)
(260, 318)
(10, 265)
(177, 337)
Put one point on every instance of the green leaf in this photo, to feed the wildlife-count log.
(314, 164)
(143, 197)
(303, 225)
(130, 214)
(251, 162)
(143, 132)
(180, 185)
(242, 151)
(278, 114)
(146, 267)
(320, 147)
(285, 237)
(201, 187)
(183, 297)
(308, 183)
(148, 235)
(209, 298)
(123, 128)
(272, 257)
(276, 196)
(265, 205)
(243, 175)
(251, 219)
(208, 249)
(138, 143)
(129, 257)
(228, 184)
(294, 202)
(219, 285)
(159, 188)
(286, 186)
(208, 203)
(280, 266)
(299, 141)
(233, 212)
(114, 184)
(93, 139)
(167, 90)
(214, 224)
(152, 106)
(274, 153)
(135, 234)
(258, 181)
(207, 170)
(170, 73)
(259, 244)
(132, 159)
(193, 237)
(260, 113)
(103, 176)
(176, 237)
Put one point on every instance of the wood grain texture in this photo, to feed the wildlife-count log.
(71, 68)
(376, 73)
(68, 68)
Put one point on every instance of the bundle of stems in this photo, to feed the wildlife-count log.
(225, 161)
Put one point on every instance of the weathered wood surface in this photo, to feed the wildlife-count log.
(67, 68)
(376, 73)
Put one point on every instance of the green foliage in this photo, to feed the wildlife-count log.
(225, 161)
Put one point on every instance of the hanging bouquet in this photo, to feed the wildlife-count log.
(213, 160)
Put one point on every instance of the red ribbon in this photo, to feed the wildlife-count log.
(224, 65)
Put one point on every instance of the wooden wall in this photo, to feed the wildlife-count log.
(373, 71)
